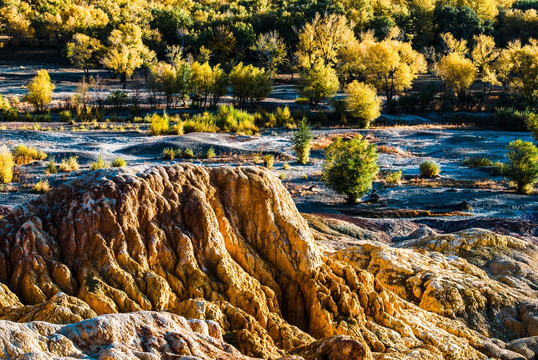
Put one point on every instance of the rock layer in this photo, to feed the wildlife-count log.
(220, 244)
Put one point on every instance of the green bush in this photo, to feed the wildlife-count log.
(65, 116)
(188, 153)
(119, 162)
(532, 124)
(350, 167)
(230, 119)
(201, 123)
(302, 142)
(169, 154)
(210, 154)
(51, 167)
(511, 119)
(523, 166)
(429, 169)
(268, 161)
(118, 99)
(477, 161)
(100, 163)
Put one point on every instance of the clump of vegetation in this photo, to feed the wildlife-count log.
(230, 119)
(42, 186)
(188, 153)
(210, 154)
(170, 153)
(317, 83)
(100, 163)
(69, 164)
(512, 119)
(268, 161)
(523, 166)
(532, 124)
(119, 162)
(65, 116)
(429, 169)
(302, 142)
(362, 103)
(477, 161)
(286, 166)
(51, 167)
(282, 176)
(159, 125)
(6, 165)
(393, 178)
(350, 167)
(23, 154)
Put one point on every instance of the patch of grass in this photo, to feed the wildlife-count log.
(429, 169)
(69, 164)
(42, 186)
(477, 161)
(170, 153)
(159, 125)
(119, 162)
(100, 163)
(23, 154)
(286, 166)
(282, 176)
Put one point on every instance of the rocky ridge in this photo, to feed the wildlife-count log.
(227, 245)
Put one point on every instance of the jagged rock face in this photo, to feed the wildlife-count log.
(221, 244)
(141, 335)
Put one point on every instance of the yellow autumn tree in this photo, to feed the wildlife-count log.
(6, 165)
(390, 65)
(322, 39)
(519, 65)
(456, 70)
(362, 102)
(40, 90)
(84, 52)
(17, 16)
(484, 55)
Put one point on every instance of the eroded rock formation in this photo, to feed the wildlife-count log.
(228, 245)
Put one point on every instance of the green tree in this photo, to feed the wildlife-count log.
(302, 142)
(207, 84)
(250, 84)
(271, 50)
(318, 82)
(40, 90)
(350, 167)
(523, 166)
(84, 52)
(363, 103)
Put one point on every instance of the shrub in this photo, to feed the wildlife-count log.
(302, 141)
(477, 161)
(394, 177)
(250, 84)
(168, 154)
(23, 154)
(283, 117)
(42, 186)
(532, 124)
(6, 165)
(230, 119)
(200, 123)
(119, 162)
(210, 154)
(429, 169)
(100, 163)
(65, 116)
(350, 167)
(286, 166)
(363, 103)
(40, 90)
(159, 125)
(317, 83)
(282, 176)
(268, 161)
(188, 153)
(51, 167)
(69, 164)
(118, 99)
(523, 166)
(511, 119)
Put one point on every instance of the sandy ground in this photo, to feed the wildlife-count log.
(448, 147)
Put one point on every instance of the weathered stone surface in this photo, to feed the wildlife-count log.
(141, 335)
(228, 245)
